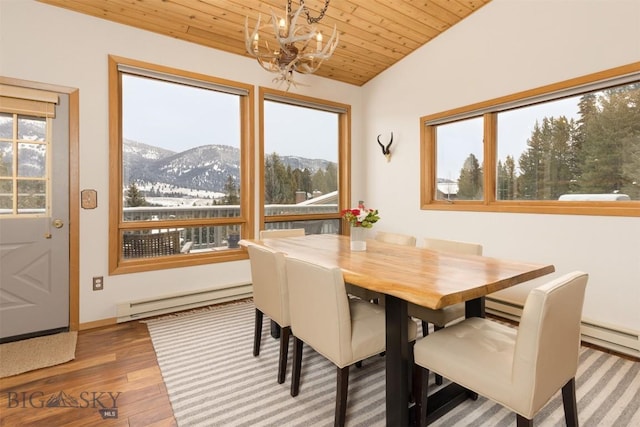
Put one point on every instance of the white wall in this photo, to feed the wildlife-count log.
(506, 47)
(52, 45)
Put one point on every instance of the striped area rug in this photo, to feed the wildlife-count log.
(213, 380)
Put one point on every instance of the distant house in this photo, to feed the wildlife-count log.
(323, 199)
(447, 190)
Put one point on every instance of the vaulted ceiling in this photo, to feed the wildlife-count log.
(374, 34)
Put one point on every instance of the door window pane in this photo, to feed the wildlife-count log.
(6, 197)
(32, 128)
(6, 125)
(6, 159)
(32, 197)
(32, 160)
(23, 189)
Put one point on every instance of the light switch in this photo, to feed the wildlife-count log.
(89, 199)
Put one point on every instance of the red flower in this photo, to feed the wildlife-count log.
(360, 216)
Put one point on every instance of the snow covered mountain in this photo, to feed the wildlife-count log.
(204, 168)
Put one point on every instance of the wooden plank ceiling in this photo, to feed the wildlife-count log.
(374, 34)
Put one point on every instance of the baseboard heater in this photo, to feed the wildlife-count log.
(611, 337)
(182, 301)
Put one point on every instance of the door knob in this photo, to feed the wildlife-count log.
(58, 223)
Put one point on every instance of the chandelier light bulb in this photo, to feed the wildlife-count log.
(282, 27)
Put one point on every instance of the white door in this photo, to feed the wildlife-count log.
(34, 222)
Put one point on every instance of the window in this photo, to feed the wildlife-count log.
(569, 148)
(25, 151)
(304, 162)
(180, 191)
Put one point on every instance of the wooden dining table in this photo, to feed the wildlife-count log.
(411, 274)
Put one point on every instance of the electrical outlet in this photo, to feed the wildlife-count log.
(98, 283)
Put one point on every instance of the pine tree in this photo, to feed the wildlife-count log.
(331, 173)
(631, 145)
(276, 181)
(507, 179)
(306, 184)
(319, 181)
(134, 196)
(470, 180)
(559, 176)
(587, 110)
(231, 196)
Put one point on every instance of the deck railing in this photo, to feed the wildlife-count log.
(214, 237)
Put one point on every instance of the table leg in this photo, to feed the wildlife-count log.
(474, 308)
(397, 358)
(275, 330)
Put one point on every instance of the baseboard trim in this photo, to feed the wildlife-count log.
(98, 323)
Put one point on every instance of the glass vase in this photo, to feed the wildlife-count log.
(358, 238)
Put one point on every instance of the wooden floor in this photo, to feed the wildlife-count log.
(114, 359)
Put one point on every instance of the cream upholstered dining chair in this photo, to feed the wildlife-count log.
(286, 232)
(387, 237)
(521, 368)
(271, 297)
(342, 329)
(275, 234)
(439, 318)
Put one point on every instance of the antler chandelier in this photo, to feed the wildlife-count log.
(283, 46)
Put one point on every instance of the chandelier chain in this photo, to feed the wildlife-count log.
(310, 19)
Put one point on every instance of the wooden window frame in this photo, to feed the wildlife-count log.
(344, 154)
(117, 264)
(489, 110)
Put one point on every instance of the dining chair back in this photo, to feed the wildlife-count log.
(453, 246)
(395, 238)
(287, 232)
(271, 297)
(521, 368)
(439, 318)
(344, 330)
(548, 343)
(321, 314)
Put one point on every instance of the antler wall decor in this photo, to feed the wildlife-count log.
(385, 149)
